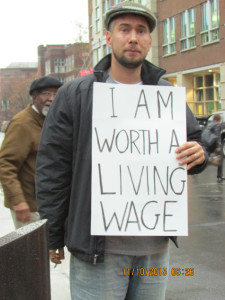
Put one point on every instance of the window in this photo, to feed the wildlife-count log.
(99, 54)
(4, 105)
(188, 29)
(69, 63)
(116, 2)
(47, 67)
(97, 15)
(210, 21)
(169, 37)
(206, 93)
(106, 50)
(91, 27)
(143, 2)
(106, 5)
(59, 65)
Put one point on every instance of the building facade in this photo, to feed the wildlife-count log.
(63, 62)
(191, 36)
(188, 43)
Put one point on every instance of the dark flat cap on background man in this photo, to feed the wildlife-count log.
(44, 82)
(19, 150)
(128, 7)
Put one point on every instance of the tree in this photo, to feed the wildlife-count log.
(16, 95)
(82, 33)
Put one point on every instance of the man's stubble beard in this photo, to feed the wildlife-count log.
(128, 63)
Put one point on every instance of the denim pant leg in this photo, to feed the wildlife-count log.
(103, 281)
(111, 280)
(150, 279)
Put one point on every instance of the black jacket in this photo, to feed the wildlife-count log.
(63, 178)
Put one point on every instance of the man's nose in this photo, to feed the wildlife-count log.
(51, 96)
(133, 36)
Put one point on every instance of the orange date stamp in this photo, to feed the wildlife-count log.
(183, 271)
(158, 271)
(145, 271)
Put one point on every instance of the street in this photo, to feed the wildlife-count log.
(204, 248)
(197, 268)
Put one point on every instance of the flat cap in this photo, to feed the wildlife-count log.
(44, 82)
(128, 7)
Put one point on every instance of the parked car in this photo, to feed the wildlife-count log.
(202, 120)
(4, 125)
(222, 124)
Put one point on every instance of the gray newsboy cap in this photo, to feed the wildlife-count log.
(44, 82)
(128, 7)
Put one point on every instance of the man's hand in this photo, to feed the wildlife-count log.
(190, 153)
(22, 212)
(56, 255)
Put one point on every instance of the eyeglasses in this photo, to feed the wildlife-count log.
(48, 94)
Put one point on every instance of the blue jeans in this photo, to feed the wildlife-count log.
(120, 277)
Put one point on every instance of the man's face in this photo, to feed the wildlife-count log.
(130, 40)
(43, 100)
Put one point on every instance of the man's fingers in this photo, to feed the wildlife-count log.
(23, 215)
(61, 253)
(190, 153)
(56, 255)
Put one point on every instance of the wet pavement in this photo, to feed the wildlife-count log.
(204, 248)
(198, 266)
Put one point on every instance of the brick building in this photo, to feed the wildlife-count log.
(188, 42)
(63, 61)
(15, 81)
(191, 37)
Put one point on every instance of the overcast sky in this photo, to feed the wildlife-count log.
(26, 24)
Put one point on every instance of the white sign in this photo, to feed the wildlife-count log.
(138, 187)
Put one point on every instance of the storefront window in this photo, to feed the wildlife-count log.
(206, 94)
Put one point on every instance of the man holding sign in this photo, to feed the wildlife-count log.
(86, 162)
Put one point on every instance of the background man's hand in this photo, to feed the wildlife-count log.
(190, 153)
(56, 255)
(22, 212)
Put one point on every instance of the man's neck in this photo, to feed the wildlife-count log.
(125, 75)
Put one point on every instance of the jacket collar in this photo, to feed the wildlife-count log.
(150, 74)
(37, 116)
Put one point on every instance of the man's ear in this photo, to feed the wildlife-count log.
(108, 38)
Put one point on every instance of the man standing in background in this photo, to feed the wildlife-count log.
(19, 150)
